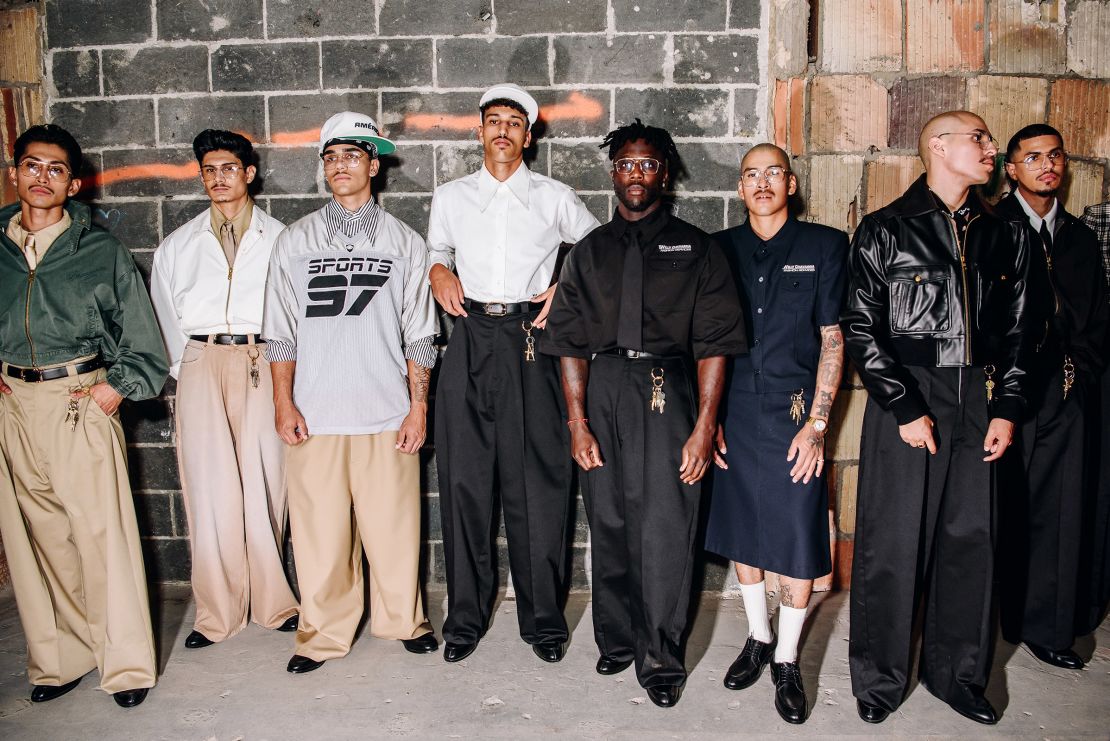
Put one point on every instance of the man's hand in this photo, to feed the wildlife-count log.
(919, 434)
(413, 430)
(583, 447)
(808, 446)
(290, 424)
(547, 297)
(106, 397)
(447, 289)
(696, 455)
(721, 449)
(4, 388)
(1000, 433)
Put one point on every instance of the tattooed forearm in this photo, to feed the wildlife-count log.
(419, 380)
(830, 368)
(822, 406)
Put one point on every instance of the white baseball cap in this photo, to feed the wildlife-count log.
(516, 94)
(349, 126)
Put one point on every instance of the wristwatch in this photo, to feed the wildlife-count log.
(818, 424)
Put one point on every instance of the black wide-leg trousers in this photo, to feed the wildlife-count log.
(924, 528)
(643, 519)
(500, 426)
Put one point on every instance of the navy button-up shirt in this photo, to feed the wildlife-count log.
(790, 286)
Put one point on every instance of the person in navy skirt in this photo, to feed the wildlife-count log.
(769, 505)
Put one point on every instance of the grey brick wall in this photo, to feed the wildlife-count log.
(135, 80)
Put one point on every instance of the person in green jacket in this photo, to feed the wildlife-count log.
(77, 336)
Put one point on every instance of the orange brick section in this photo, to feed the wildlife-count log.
(788, 115)
(888, 177)
(861, 36)
(1007, 103)
(915, 101)
(1089, 38)
(945, 35)
(833, 190)
(848, 113)
(1079, 111)
(1027, 37)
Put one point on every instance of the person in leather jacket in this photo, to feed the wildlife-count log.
(934, 323)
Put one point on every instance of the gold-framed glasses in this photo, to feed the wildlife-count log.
(1039, 160)
(773, 174)
(980, 137)
(228, 171)
(350, 159)
(34, 169)
(647, 165)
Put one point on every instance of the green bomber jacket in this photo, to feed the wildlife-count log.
(85, 297)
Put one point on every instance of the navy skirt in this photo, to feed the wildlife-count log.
(758, 516)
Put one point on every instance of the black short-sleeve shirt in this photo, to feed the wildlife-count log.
(691, 307)
(790, 286)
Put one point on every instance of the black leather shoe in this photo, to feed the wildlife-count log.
(549, 652)
(196, 639)
(302, 665)
(130, 698)
(453, 652)
(749, 664)
(665, 695)
(424, 644)
(1066, 659)
(790, 696)
(970, 703)
(290, 625)
(871, 713)
(607, 665)
(48, 692)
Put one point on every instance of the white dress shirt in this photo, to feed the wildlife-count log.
(503, 238)
(194, 292)
(1036, 219)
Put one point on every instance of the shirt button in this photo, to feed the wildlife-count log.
(759, 310)
(761, 279)
(757, 371)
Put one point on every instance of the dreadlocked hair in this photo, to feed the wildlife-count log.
(653, 135)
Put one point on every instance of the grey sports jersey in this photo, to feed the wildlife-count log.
(345, 309)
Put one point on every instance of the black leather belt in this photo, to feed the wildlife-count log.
(498, 308)
(227, 339)
(622, 352)
(34, 375)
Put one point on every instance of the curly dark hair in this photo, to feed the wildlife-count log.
(653, 135)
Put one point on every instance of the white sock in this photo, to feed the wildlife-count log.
(755, 605)
(791, 620)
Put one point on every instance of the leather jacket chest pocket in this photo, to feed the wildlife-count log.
(919, 299)
(796, 289)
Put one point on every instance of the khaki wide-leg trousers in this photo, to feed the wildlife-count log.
(72, 541)
(232, 469)
(348, 493)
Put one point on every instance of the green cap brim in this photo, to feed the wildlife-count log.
(384, 146)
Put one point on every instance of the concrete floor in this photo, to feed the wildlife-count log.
(240, 690)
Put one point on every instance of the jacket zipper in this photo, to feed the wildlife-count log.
(227, 303)
(27, 317)
(963, 276)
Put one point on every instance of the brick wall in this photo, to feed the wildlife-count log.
(135, 80)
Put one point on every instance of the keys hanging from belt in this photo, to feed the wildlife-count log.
(253, 355)
(1069, 375)
(73, 406)
(658, 398)
(988, 371)
(529, 341)
(797, 406)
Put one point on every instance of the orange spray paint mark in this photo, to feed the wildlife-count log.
(145, 172)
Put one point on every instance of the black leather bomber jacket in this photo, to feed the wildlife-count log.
(919, 296)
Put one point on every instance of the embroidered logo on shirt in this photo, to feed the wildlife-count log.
(675, 248)
(799, 268)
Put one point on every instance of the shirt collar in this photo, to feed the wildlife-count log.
(1034, 218)
(784, 234)
(517, 184)
(648, 227)
(363, 221)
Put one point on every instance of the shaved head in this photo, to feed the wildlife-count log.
(945, 122)
(766, 147)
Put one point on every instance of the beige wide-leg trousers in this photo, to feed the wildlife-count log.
(232, 475)
(348, 493)
(72, 541)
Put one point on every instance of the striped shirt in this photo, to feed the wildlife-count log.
(352, 223)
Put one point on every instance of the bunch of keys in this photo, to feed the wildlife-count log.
(1069, 375)
(529, 341)
(73, 409)
(988, 371)
(797, 406)
(658, 398)
(253, 355)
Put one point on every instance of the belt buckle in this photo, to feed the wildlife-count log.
(500, 310)
(633, 354)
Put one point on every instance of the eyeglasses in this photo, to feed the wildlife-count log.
(773, 174)
(648, 166)
(1036, 160)
(34, 169)
(229, 172)
(980, 137)
(350, 159)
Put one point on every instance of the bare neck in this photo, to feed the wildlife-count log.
(36, 219)
(502, 171)
(952, 192)
(1040, 203)
(231, 209)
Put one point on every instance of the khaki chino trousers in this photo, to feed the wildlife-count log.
(349, 494)
(72, 541)
(232, 475)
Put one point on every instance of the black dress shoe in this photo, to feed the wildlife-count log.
(790, 696)
(48, 692)
(749, 664)
(290, 625)
(871, 713)
(549, 652)
(665, 695)
(453, 652)
(424, 644)
(302, 664)
(970, 703)
(196, 639)
(607, 665)
(130, 698)
(1066, 659)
